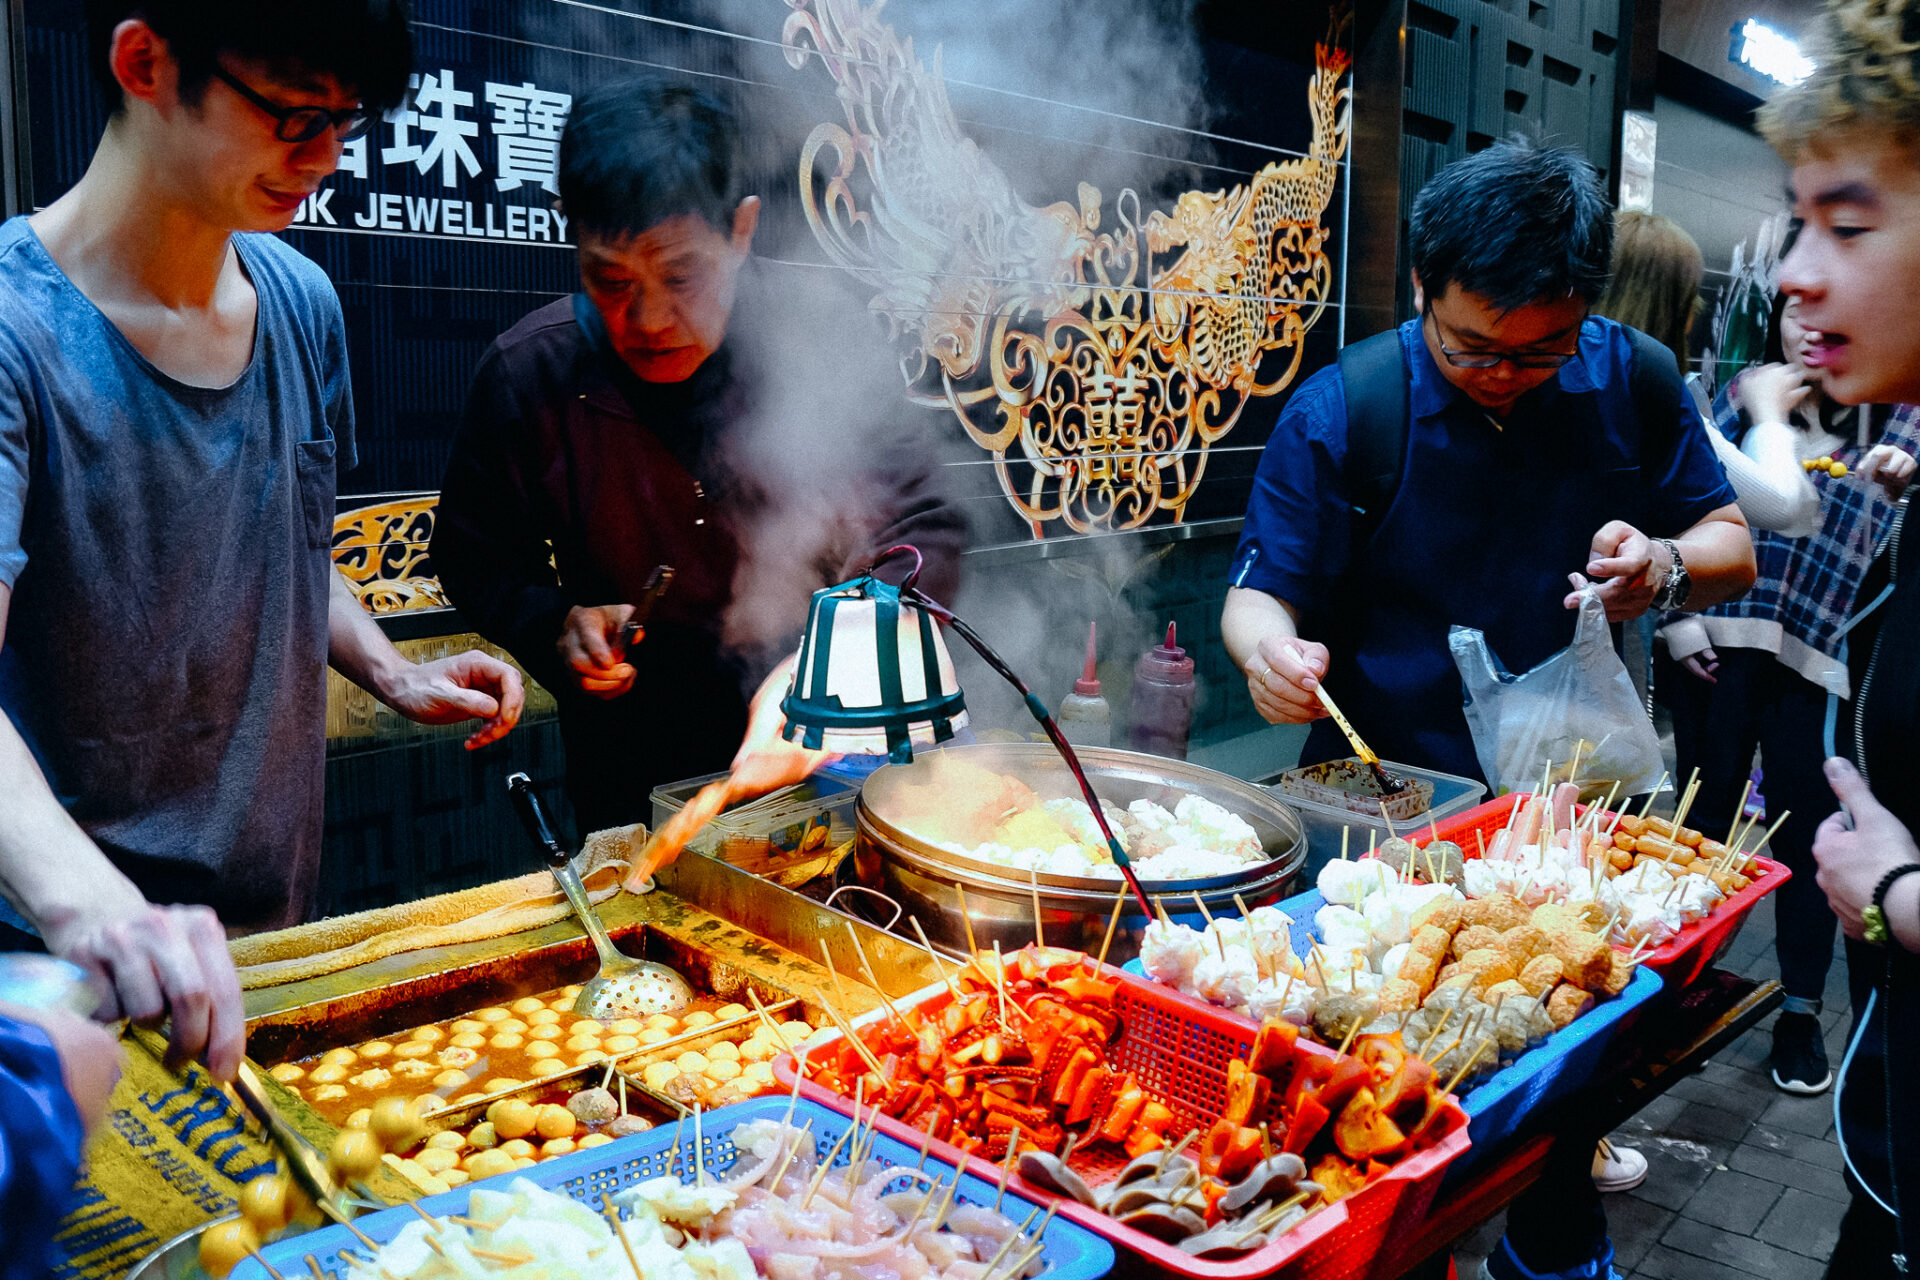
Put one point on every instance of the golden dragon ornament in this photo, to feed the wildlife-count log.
(1096, 367)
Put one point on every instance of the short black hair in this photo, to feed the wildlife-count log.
(1515, 224)
(367, 45)
(641, 150)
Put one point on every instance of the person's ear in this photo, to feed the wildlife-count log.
(143, 63)
(1419, 294)
(745, 219)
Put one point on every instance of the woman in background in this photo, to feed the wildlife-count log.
(1757, 672)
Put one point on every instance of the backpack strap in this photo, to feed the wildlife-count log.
(1377, 383)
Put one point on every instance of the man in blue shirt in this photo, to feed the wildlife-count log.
(1544, 446)
(1527, 465)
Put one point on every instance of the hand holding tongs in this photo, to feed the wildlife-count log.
(657, 583)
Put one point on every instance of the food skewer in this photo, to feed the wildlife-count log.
(1113, 921)
(1033, 886)
(1389, 784)
(793, 1149)
(1466, 1066)
(1344, 833)
(313, 1265)
(966, 918)
(267, 1266)
(834, 973)
(873, 979)
(826, 1166)
(620, 1230)
(1008, 1243)
(1253, 952)
(1784, 815)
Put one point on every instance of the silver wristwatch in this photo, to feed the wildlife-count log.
(1674, 591)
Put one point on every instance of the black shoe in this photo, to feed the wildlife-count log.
(1799, 1059)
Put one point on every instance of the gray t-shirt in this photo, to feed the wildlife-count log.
(167, 545)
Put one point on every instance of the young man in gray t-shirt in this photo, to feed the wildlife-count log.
(174, 405)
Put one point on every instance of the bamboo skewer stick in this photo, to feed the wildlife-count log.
(793, 1149)
(1006, 1168)
(1446, 1016)
(1466, 1066)
(1033, 886)
(1000, 981)
(953, 1190)
(833, 972)
(313, 1265)
(966, 918)
(1201, 903)
(1008, 1243)
(858, 1045)
(1113, 922)
(766, 1019)
(612, 1216)
(938, 965)
(1739, 810)
(826, 1166)
(1352, 1031)
(873, 978)
(1653, 795)
(1344, 833)
(267, 1266)
(1253, 952)
(1784, 815)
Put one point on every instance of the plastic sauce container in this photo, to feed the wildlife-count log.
(1163, 692)
(1085, 719)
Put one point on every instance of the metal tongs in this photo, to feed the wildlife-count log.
(1389, 784)
(304, 1164)
(657, 583)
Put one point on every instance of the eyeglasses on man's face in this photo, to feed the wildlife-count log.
(1525, 359)
(301, 124)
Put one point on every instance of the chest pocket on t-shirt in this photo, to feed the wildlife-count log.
(314, 460)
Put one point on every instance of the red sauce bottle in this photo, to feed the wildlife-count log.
(1163, 690)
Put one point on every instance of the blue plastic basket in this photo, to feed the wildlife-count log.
(1496, 1106)
(1072, 1252)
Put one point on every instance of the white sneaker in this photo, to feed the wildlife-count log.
(1617, 1168)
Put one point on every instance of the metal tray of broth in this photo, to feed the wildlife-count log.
(422, 998)
(1118, 777)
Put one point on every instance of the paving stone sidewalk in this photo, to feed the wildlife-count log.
(1744, 1181)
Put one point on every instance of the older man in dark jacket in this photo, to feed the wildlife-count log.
(640, 423)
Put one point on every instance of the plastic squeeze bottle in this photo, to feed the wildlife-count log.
(1085, 719)
(1163, 700)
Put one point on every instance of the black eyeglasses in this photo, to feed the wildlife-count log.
(1488, 359)
(302, 124)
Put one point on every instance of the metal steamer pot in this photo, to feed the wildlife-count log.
(926, 880)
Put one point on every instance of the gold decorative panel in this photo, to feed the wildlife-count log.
(382, 550)
(1096, 367)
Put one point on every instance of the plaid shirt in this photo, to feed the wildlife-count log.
(1806, 586)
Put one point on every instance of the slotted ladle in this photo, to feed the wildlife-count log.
(624, 987)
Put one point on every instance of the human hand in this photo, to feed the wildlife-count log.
(1853, 856)
(1771, 392)
(149, 962)
(1890, 467)
(1624, 569)
(1702, 665)
(1281, 677)
(466, 686)
(89, 1057)
(589, 645)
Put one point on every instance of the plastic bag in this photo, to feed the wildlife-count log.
(1581, 699)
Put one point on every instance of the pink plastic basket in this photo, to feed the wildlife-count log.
(1680, 959)
(1179, 1051)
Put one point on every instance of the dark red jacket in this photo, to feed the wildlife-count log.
(571, 479)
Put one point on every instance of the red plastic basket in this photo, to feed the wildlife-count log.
(1179, 1051)
(1680, 959)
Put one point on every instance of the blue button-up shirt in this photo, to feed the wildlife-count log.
(1490, 517)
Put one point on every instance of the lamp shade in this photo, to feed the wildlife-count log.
(873, 675)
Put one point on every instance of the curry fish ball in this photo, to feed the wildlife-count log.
(547, 1067)
(512, 1117)
(526, 1162)
(341, 1056)
(543, 1018)
(570, 992)
(580, 1044)
(510, 1026)
(376, 1049)
(662, 1022)
(794, 1032)
(588, 1058)
(724, 1051)
(560, 1006)
(455, 1056)
(396, 1122)
(466, 1040)
(493, 1015)
(374, 1078)
(517, 1149)
(757, 1074)
(554, 1121)
(455, 1177)
(556, 1147)
(658, 1074)
(722, 1069)
(224, 1244)
(264, 1203)
(413, 1049)
(359, 1119)
(591, 1140)
(506, 1040)
(697, 1019)
(437, 1160)
(692, 1061)
(428, 1035)
(355, 1154)
(654, 1035)
(449, 1140)
(759, 1049)
(467, 1026)
(287, 1073)
(329, 1093)
(331, 1073)
(728, 1012)
(452, 1078)
(620, 1044)
(487, 1164)
(500, 1084)
(547, 1032)
(527, 1004)
(626, 1027)
(587, 1027)
(543, 1049)
(482, 1136)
